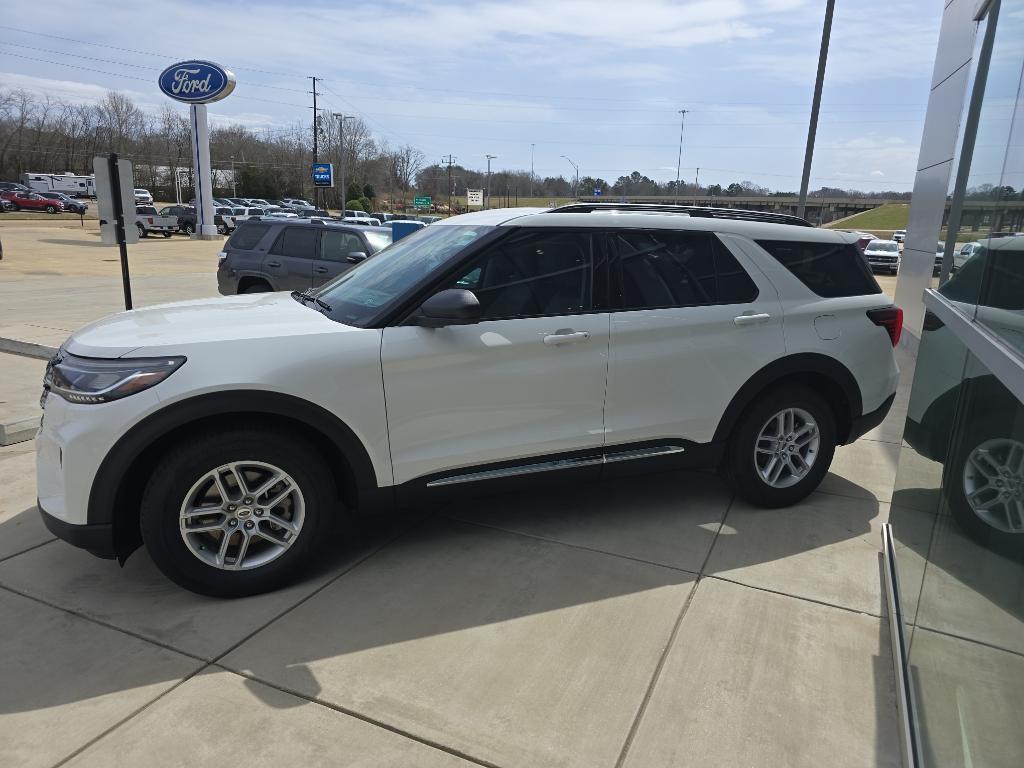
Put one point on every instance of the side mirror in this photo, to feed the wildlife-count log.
(454, 306)
(355, 257)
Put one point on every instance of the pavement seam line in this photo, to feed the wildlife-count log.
(559, 542)
(5, 558)
(130, 716)
(359, 716)
(649, 693)
(964, 638)
(803, 598)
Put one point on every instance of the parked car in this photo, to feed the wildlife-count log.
(965, 252)
(272, 254)
(361, 221)
(982, 469)
(900, 235)
(883, 254)
(299, 202)
(228, 435)
(71, 205)
(13, 186)
(188, 218)
(143, 197)
(148, 221)
(6, 205)
(940, 254)
(32, 201)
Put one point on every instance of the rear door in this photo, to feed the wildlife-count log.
(690, 323)
(335, 254)
(289, 263)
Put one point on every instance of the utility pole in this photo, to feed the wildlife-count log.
(341, 159)
(316, 144)
(489, 158)
(531, 170)
(679, 159)
(576, 187)
(696, 182)
(449, 161)
(234, 184)
(826, 33)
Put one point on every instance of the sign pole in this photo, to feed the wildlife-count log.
(205, 228)
(122, 245)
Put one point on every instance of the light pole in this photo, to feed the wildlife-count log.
(489, 158)
(341, 118)
(826, 33)
(234, 185)
(531, 168)
(576, 187)
(679, 159)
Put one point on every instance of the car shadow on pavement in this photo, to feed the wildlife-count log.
(76, 243)
(618, 554)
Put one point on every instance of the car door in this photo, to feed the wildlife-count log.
(691, 322)
(289, 262)
(523, 385)
(335, 254)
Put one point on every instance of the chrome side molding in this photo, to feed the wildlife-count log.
(556, 464)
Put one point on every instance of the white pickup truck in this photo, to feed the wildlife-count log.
(147, 220)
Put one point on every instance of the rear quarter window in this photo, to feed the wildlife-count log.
(248, 235)
(829, 269)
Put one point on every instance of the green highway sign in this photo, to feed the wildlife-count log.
(422, 202)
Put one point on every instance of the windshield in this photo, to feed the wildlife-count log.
(883, 246)
(367, 291)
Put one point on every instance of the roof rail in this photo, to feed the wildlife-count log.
(688, 210)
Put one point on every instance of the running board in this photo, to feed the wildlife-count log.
(556, 464)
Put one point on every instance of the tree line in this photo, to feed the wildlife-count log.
(39, 133)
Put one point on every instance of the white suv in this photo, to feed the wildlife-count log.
(228, 435)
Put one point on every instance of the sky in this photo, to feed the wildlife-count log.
(600, 82)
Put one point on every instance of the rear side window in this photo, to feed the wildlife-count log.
(248, 235)
(828, 269)
(665, 268)
(297, 242)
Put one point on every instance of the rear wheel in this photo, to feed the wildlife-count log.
(259, 287)
(188, 228)
(239, 512)
(142, 231)
(51, 209)
(782, 447)
(166, 234)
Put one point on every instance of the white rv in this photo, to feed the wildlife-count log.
(68, 183)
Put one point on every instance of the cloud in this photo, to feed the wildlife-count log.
(878, 173)
(65, 90)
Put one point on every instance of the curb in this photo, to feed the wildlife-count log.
(19, 431)
(27, 349)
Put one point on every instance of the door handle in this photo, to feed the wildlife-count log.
(760, 317)
(565, 337)
(273, 263)
(321, 270)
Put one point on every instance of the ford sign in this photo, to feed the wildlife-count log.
(196, 82)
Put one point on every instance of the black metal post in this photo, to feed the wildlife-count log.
(826, 33)
(122, 245)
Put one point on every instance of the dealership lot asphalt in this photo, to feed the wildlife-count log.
(650, 621)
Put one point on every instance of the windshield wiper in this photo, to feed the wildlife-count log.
(303, 296)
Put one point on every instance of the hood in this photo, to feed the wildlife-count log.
(249, 316)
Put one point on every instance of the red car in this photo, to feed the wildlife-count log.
(30, 201)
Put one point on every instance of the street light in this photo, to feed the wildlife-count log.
(679, 160)
(576, 188)
(531, 169)
(489, 158)
(341, 118)
(234, 185)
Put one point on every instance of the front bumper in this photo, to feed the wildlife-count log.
(96, 539)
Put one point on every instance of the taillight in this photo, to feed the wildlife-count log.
(890, 318)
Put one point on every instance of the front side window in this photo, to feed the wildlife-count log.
(296, 242)
(336, 246)
(666, 268)
(532, 275)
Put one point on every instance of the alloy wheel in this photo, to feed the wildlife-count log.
(993, 480)
(786, 447)
(242, 515)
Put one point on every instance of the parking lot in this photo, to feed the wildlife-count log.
(649, 621)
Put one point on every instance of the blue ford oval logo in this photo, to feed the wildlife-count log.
(196, 82)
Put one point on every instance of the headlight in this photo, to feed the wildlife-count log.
(93, 380)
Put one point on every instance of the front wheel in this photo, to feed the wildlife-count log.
(142, 231)
(239, 512)
(782, 447)
(51, 209)
(166, 234)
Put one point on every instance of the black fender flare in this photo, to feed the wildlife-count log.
(103, 496)
(800, 364)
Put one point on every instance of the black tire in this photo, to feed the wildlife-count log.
(740, 468)
(16, 207)
(991, 433)
(183, 466)
(166, 234)
(51, 209)
(188, 229)
(259, 287)
(142, 231)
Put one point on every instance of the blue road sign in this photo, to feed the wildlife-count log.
(597, 191)
(323, 175)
